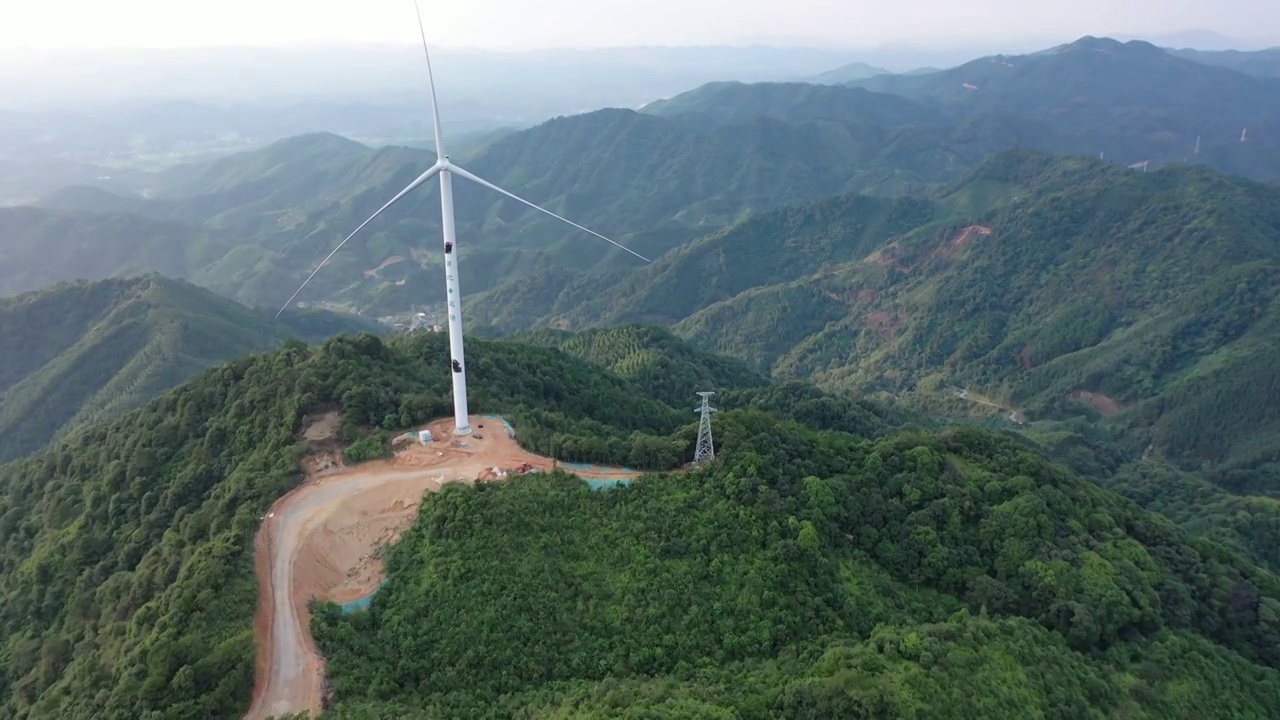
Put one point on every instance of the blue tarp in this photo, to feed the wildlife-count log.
(510, 430)
(360, 603)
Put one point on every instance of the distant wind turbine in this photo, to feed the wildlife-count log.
(446, 170)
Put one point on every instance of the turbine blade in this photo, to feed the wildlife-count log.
(435, 105)
(411, 187)
(481, 181)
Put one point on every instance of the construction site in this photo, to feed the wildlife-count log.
(324, 540)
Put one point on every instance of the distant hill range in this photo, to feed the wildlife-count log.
(1261, 63)
(658, 179)
(1131, 102)
(83, 352)
(1058, 287)
(847, 73)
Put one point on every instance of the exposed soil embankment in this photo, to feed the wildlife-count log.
(323, 540)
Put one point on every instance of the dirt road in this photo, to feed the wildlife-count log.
(1015, 417)
(322, 541)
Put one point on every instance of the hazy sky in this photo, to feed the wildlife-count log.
(520, 24)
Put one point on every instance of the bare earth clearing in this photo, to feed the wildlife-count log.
(321, 541)
(1105, 406)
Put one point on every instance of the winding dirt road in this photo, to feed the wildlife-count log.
(322, 540)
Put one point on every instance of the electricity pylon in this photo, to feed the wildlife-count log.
(705, 451)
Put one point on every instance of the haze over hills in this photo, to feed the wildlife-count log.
(847, 73)
(1131, 101)
(1262, 63)
(75, 116)
(76, 354)
(690, 165)
(650, 182)
(42, 246)
(69, 118)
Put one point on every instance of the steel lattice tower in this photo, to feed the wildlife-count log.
(705, 451)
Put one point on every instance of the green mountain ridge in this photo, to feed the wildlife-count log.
(660, 179)
(77, 354)
(1063, 288)
(725, 102)
(650, 356)
(847, 73)
(1261, 63)
(852, 578)
(766, 248)
(1131, 101)
(652, 183)
(806, 573)
(1171, 326)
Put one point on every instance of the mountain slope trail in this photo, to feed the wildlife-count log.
(322, 540)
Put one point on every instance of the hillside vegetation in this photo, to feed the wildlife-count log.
(649, 182)
(1132, 101)
(1059, 287)
(651, 357)
(40, 247)
(789, 243)
(1148, 298)
(1262, 63)
(126, 578)
(81, 353)
(808, 574)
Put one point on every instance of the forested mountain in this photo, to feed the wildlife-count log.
(845, 567)
(1058, 287)
(725, 102)
(770, 247)
(847, 73)
(1262, 63)
(85, 352)
(1132, 101)
(650, 182)
(39, 247)
(126, 580)
(652, 357)
(1150, 297)
(808, 574)
(685, 167)
(763, 249)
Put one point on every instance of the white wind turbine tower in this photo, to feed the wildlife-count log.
(446, 170)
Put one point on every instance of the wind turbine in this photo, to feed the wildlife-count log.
(446, 170)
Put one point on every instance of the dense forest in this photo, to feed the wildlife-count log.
(126, 582)
(811, 574)
(828, 560)
(1055, 288)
